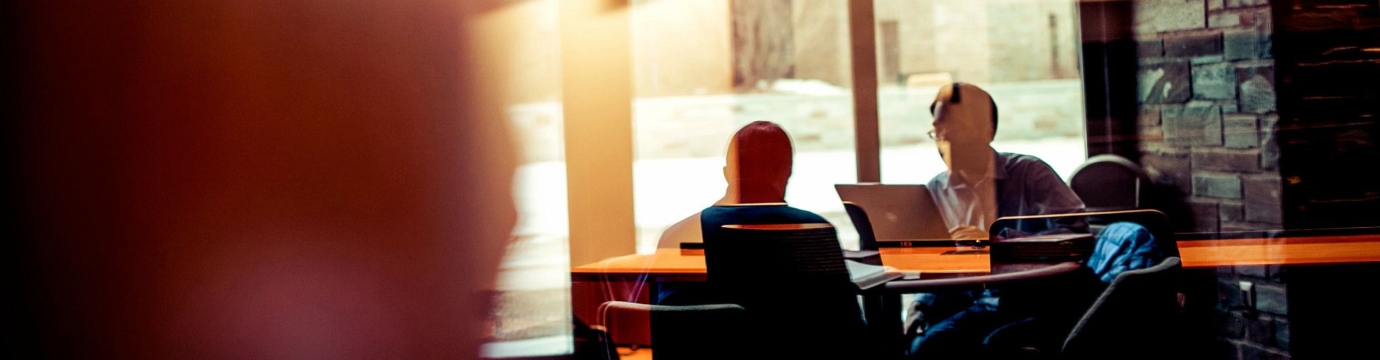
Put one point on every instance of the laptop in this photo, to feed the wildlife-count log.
(902, 215)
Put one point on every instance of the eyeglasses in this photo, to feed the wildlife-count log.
(933, 135)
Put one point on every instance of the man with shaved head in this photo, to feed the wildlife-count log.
(756, 169)
(980, 186)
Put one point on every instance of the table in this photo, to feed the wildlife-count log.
(1286, 250)
(928, 263)
(1296, 250)
(882, 305)
(678, 265)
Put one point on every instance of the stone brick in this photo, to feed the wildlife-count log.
(1272, 214)
(1230, 325)
(1260, 331)
(1251, 352)
(1216, 81)
(1259, 18)
(1209, 59)
(1245, 44)
(1214, 5)
(1227, 226)
(1232, 160)
(1165, 83)
(1205, 216)
(1169, 169)
(1257, 86)
(1277, 271)
(1256, 271)
(1263, 188)
(1271, 299)
(1151, 141)
(1223, 19)
(1282, 334)
(1167, 15)
(1211, 118)
(1228, 298)
(1221, 186)
(1240, 131)
(1269, 146)
(1231, 212)
(1150, 48)
(1192, 125)
(1148, 118)
(1150, 137)
(1262, 199)
(1148, 128)
(1191, 45)
(1180, 128)
(1245, 3)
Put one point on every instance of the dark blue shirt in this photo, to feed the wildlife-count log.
(712, 221)
(714, 218)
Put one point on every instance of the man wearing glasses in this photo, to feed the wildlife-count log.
(980, 186)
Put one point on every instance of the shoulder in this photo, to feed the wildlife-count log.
(805, 216)
(1020, 160)
(1025, 165)
(685, 230)
(939, 180)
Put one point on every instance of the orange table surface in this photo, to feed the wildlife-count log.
(1195, 254)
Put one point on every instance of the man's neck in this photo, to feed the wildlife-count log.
(732, 197)
(762, 200)
(978, 175)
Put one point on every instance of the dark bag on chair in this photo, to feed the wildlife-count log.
(1042, 248)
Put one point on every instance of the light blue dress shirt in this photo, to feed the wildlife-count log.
(1023, 184)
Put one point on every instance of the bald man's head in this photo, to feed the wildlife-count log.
(953, 95)
(965, 121)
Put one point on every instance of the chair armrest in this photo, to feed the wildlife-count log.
(978, 282)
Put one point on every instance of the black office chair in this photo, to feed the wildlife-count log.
(676, 332)
(1135, 297)
(1110, 182)
(799, 297)
(867, 240)
(1135, 318)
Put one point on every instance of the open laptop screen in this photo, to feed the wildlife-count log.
(899, 213)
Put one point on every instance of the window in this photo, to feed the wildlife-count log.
(703, 69)
(532, 310)
(1029, 67)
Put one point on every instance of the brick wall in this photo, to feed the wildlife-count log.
(1256, 329)
(1206, 96)
(1205, 86)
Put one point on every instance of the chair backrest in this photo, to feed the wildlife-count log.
(679, 332)
(1133, 318)
(800, 299)
(1110, 182)
(867, 240)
